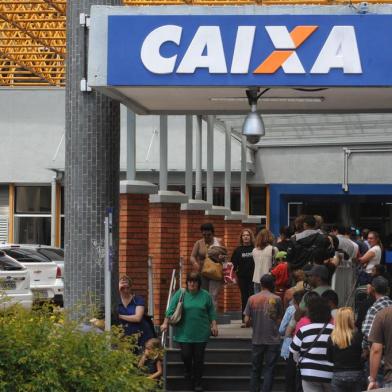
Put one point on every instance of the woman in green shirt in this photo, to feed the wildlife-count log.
(198, 322)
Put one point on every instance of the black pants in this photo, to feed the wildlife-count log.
(292, 376)
(246, 288)
(192, 355)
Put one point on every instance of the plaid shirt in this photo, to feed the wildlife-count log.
(380, 304)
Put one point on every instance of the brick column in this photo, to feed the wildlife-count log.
(133, 233)
(164, 244)
(233, 228)
(252, 222)
(216, 216)
(192, 216)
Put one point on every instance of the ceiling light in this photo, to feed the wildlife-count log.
(270, 99)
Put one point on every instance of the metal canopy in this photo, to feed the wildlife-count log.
(348, 89)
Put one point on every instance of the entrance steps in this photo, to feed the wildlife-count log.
(227, 363)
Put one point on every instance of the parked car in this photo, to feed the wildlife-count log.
(45, 275)
(14, 283)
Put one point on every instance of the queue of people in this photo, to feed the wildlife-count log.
(288, 301)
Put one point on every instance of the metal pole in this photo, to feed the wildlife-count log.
(188, 156)
(163, 153)
(210, 159)
(150, 309)
(243, 174)
(228, 168)
(53, 213)
(199, 156)
(108, 268)
(131, 145)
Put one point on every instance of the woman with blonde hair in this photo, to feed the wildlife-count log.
(263, 255)
(244, 266)
(344, 351)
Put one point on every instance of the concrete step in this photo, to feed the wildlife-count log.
(227, 383)
(215, 355)
(226, 342)
(222, 369)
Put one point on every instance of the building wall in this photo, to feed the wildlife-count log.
(320, 165)
(32, 126)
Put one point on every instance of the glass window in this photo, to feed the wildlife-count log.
(7, 264)
(32, 230)
(26, 256)
(53, 254)
(32, 199)
(257, 200)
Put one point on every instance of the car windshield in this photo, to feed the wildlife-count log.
(53, 254)
(26, 255)
(7, 264)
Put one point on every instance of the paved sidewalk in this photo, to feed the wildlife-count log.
(234, 330)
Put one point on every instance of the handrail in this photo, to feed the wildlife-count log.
(150, 303)
(172, 287)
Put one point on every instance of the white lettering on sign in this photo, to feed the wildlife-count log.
(150, 52)
(339, 51)
(205, 51)
(243, 49)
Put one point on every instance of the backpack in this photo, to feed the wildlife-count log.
(309, 250)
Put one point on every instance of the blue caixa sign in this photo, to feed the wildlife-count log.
(247, 50)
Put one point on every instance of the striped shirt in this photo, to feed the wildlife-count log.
(314, 364)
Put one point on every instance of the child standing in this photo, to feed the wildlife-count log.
(151, 359)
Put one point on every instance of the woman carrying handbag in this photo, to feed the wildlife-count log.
(192, 331)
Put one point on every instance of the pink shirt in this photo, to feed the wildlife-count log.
(301, 323)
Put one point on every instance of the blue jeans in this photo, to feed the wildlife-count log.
(270, 354)
(348, 381)
(257, 287)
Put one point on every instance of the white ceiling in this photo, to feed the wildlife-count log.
(222, 100)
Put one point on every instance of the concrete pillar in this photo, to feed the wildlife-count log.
(131, 145)
(189, 156)
(134, 231)
(210, 159)
(164, 240)
(163, 146)
(243, 174)
(232, 294)
(199, 156)
(228, 167)
(92, 151)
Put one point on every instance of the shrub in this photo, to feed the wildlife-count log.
(39, 351)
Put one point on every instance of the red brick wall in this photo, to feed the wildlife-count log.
(190, 222)
(164, 247)
(232, 295)
(133, 240)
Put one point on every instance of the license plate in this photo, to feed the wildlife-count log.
(7, 285)
(40, 294)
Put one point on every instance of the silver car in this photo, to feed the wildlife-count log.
(45, 280)
(14, 283)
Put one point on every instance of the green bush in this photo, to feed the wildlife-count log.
(39, 351)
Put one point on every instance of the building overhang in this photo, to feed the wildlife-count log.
(178, 60)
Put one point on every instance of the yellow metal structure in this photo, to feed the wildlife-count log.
(33, 35)
(32, 42)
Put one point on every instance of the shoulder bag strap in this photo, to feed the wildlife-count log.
(313, 343)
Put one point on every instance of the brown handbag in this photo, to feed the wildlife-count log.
(212, 270)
